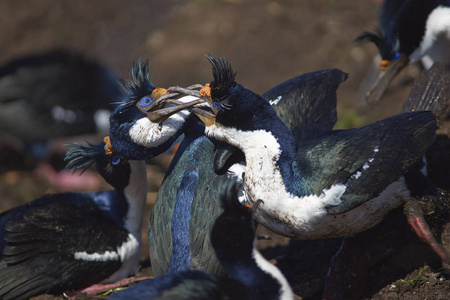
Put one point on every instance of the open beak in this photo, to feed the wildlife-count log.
(164, 104)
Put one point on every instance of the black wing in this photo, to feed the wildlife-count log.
(307, 103)
(365, 160)
(431, 92)
(40, 246)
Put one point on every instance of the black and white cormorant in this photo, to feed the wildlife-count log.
(409, 31)
(334, 184)
(70, 241)
(188, 200)
(250, 275)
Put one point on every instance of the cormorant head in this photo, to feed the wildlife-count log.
(385, 47)
(137, 129)
(233, 105)
(113, 167)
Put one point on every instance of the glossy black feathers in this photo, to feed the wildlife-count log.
(229, 191)
(81, 157)
(223, 76)
(233, 238)
(233, 233)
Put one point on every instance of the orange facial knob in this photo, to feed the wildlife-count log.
(205, 91)
(158, 92)
(384, 64)
(109, 150)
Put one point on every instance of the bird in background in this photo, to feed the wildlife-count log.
(47, 99)
(70, 241)
(250, 275)
(188, 200)
(409, 31)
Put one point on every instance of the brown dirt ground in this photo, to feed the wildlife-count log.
(267, 42)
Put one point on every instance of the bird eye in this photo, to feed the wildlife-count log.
(216, 105)
(146, 101)
(395, 55)
(116, 160)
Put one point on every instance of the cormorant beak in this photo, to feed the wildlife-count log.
(209, 119)
(158, 112)
(164, 105)
(393, 67)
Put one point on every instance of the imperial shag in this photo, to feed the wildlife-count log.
(250, 275)
(188, 201)
(330, 185)
(70, 241)
(409, 31)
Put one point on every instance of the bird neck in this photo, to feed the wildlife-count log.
(254, 271)
(194, 130)
(135, 194)
(269, 150)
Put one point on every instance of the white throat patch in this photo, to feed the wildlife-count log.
(148, 134)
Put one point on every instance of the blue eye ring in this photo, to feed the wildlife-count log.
(216, 105)
(116, 159)
(145, 101)
(395, 56)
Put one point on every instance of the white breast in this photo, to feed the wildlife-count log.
(436, 42)
(301, 217)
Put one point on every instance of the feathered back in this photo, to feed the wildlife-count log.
(82, 157)
(223, 76)
(139, 84)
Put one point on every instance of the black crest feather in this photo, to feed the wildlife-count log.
(82, 157)
(139, 84)
(377, 37)
(223, 76)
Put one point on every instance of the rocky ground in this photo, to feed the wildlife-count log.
(266, 42)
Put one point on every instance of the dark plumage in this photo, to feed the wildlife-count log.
(127, 116)
(333, 184)
(187, 202)
(233, 239)
(70, 241)
(402, 26)
(409, 31)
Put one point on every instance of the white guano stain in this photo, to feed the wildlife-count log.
(275, 101)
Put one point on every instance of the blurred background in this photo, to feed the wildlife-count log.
(265, 41)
